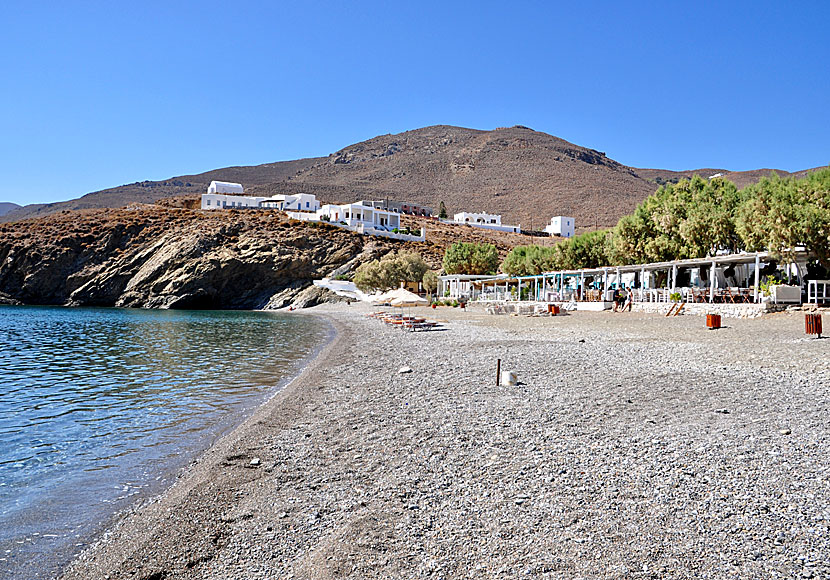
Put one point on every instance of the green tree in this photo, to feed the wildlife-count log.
(779, 214)
(529, 260)
(430, 282)
(692, 218)
(390, 271)
(442, 211)
(471, 258)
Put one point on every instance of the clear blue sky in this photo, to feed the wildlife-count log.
(97, 94)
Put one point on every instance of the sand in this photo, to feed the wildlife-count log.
(635, 446)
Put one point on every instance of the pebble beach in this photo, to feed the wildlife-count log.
(633, 446)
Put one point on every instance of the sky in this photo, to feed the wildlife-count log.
(98, 94)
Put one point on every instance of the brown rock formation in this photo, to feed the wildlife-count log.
(161, 257)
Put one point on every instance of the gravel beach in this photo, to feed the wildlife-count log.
(634, 446)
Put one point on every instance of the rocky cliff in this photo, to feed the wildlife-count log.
(157, 257)
(174, 256)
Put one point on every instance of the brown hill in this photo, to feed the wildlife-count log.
(739, 178)
(150, 191)
(525, 175)
(7, 206)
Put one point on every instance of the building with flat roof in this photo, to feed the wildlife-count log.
(489, 221)
(292, 202)
(404, 207)
(563, 226)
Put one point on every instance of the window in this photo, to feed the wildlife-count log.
(306, 204)
(208, 202)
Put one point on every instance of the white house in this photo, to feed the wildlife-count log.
(222, 201)
(295, 202)
(225, 187)
(298, 202)
(488, 221)
(361, 219)
(561, 226)
(356, 214)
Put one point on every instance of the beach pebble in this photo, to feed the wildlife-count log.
(404, 370)
(256, 461)
(607, 459)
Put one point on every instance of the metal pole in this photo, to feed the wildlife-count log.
(712, 283)
(757, 276)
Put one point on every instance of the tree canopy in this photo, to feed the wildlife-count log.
(390, 271)
(695, 218)
(471, 258)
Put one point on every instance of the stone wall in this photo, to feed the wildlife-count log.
(702, 309)
(691, 308)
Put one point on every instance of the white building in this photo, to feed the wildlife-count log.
(488, 221)
(561, 226)
(361, 219)
(295, 202)
(222, 201)
(356, 214)
(225, 187)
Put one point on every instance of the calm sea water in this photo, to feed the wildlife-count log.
(100, 407)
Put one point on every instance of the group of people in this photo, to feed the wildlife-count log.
(622, 300)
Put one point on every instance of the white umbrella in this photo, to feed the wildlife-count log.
(404, 297)
(381, 298)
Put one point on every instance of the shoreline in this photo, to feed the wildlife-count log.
(125, 528)
(623, 449)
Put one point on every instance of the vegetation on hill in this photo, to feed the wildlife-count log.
(695, 218)
(467, 258)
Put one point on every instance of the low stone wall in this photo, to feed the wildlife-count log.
(690, 308)
(702, 309)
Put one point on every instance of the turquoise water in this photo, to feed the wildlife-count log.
(101, 407)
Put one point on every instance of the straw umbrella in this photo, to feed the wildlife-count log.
(404, 298)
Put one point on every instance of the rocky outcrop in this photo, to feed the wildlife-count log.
(155, 257)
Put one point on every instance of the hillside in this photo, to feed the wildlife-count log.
(740, 178)
(170, 257)
(150, 191)
(525, 175)
(7, 206)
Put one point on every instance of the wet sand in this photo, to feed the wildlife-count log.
(635, 446)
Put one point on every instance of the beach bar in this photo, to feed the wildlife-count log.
(728, 279)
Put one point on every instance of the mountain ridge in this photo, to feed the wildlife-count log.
(7, 206)
(526, 176)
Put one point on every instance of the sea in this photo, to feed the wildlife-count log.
(102, 408)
